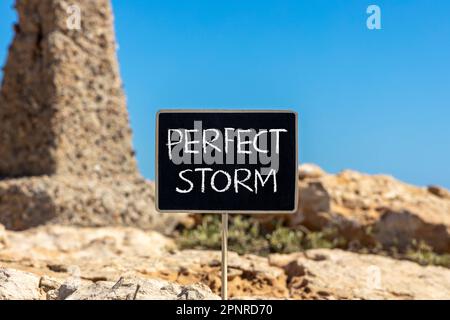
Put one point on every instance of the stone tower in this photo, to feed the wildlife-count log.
(62, 108)
(65, 143)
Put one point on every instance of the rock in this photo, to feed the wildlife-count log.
(3, 238)
(62, 106)
(374, 209)
(18, 285)
(136, 289)
(309, 170)
(248, 275)
(66, 151)
(439, 192)
(64, 244)
(337, 274)
(82, 201)
(67, 289)
(106, 254)
(62, 262)
(48, 284)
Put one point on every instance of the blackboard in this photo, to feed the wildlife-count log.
(215, 161)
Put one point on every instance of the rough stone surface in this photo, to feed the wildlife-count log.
(337, 274)
(66, 152)
(114, 263)
(309, 170)
(60, 242)
(249, 275)
(3, 238)
(18, 285)
(124, 200)
(135, 289)
(62, 106)
(374, 208)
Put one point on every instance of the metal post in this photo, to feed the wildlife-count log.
(225, 256)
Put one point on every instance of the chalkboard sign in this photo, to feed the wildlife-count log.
(211, 161)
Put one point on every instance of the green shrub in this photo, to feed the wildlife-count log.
(422, 253)
(247, 235)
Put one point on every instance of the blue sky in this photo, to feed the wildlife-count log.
(376, 101)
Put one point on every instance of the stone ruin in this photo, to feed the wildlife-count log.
(66, 155)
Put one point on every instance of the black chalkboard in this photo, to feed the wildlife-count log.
(226, 161)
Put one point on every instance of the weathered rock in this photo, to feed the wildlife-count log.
(249, 275)
(439, 192)
(66, 152)
(135, 289)
(48, 284)
(337, 274)
(309, 170)
(110, 263)
(81, 201)
(18, 285)
(106, 254)
(61, 245)
(3, 238)
(374, 208)
(62, 107)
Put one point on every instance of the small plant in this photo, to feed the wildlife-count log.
(422, 253)
(248, 235)
(243, 234)
(284, 240)
(206, 235)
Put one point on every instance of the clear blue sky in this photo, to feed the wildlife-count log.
(375, 101)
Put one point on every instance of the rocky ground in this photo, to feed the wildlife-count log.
(60, 262)
(67, 166)
(73, 262)
(373, 208)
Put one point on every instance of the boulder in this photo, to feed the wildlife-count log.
(136, 289)
(337, 274)
(18, 285)
(310, 170)
(61, 245)
(375, 208)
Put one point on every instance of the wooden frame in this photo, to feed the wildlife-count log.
(224, 111)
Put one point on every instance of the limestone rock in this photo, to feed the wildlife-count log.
(62, 107)
(106, 254)
(81, 201)
(136, 289)
(60, 262)
(439, 192)
(66, 290)
(62, 244)
(336, 274)
(66, 155)
(48, 284)
(3, 238)
(310, 170)
(18, 285)
(375, 208)
(248, 275)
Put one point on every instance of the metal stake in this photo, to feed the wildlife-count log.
(225, 256)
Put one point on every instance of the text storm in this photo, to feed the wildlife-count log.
(217, 161)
